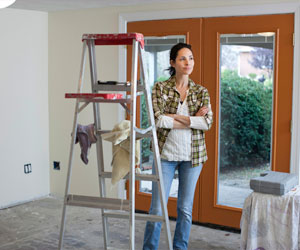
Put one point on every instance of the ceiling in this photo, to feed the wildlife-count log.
(61, 5)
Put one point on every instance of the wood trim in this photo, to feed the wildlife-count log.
(275, 101)
(203, 12)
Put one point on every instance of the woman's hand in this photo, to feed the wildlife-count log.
(171, 115)
(181, 119)
(202, 111)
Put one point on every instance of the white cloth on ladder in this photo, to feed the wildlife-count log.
(120, 138)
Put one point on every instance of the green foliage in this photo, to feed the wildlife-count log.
(252, 76)
(162, 78)
(145, 142)
(246, 110)
(268, 82)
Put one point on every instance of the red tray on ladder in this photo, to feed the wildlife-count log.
(115, 39)
(93, 96)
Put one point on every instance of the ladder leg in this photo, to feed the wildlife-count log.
(99, 147)
(100, 163)
(74, 130)
(156, 154)
(63, 220)
(132, 144)
(161, 191)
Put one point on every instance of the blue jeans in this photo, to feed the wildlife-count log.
(188, 178)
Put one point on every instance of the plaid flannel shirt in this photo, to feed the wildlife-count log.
(166, 99)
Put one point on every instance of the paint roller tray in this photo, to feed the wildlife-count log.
(271, 182)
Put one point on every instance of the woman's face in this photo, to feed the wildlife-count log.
(184, 62)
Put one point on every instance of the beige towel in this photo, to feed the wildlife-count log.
(120, 138)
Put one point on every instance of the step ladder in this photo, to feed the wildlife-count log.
(111, 207)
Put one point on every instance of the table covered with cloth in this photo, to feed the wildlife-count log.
(271, 222)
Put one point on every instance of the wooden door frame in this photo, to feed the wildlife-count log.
(233, 11)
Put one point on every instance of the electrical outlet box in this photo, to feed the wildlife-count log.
(27, 168)
(56, 165)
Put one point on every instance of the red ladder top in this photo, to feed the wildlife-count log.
(115, 39)
(93, 95)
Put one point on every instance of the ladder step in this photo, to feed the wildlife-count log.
(146, 177)
(104, 87)
(141, 136)
(138, 216)
(98, 97)
(97, 202)
(103, 131)
(140, 177)
(142, 133)
(114, 83)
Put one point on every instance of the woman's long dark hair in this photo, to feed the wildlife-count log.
(174, 53)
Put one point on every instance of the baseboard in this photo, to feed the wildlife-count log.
(17, 203)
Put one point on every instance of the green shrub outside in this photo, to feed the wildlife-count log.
(245, 130)
(252, 76)
(145, 142)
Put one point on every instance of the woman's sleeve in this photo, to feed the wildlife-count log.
(165, 122)
(157, 101)
(203, 122)
(206, 102)
(161, 120)
(198, 122)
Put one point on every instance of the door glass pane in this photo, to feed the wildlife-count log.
(246, 97)
(157, 51)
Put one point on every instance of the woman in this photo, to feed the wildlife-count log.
(182, 112)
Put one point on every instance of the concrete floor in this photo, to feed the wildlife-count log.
(35, 226)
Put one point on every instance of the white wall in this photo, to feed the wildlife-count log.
(65, 47)
(24, 106)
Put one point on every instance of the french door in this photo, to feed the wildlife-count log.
(246, 65)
